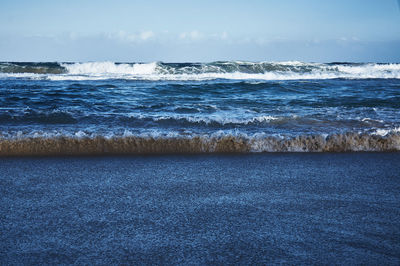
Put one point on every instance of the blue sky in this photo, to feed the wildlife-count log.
(177, 31)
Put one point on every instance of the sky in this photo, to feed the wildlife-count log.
(200, 31)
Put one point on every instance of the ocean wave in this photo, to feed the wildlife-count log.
(81, 144)
(218, 120)
(234, 70)
(385, 132)
(40, 117)
(109, 69)
(33, 68)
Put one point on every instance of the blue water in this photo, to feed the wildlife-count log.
(251, 101)
(329, 208)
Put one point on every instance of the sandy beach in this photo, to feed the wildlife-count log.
(201, 209)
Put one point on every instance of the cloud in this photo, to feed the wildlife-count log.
(348, 39)
(224, 35)
(220, 36)
(192, 35)
(124, 36)
(145, 35)
(198, 36)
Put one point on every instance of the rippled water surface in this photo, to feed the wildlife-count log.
(267, 106)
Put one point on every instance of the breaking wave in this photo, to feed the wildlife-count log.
(110, 68)
(236, 70)
(81, 144)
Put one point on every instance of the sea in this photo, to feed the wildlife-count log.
(93, 108)
(221, 163)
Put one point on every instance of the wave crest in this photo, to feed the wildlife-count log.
(234, 70)
(110, 68)
(197, 144)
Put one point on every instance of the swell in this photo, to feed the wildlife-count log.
(30, 67)
(199, 144)
(236, 70)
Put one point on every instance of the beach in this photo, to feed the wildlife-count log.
(199, 132)
(291, 208)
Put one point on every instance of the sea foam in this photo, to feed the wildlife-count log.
(110, 68)
(81, 144)
(234, 70)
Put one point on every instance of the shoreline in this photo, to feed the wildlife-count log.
(131, 145)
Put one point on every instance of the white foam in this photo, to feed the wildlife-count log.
(80, 134)
(23, 75)
(127, 133)
(368, 120)
(291, 70)
(220, 118)
(371, 70)
(110, 68)
(384, 132)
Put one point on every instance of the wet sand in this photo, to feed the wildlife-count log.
(292, 208)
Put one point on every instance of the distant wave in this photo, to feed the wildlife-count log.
(31, 68)
(217, 120)
(236, 70)
(100, 145)
(110, 68)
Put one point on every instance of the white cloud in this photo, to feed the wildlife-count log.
(193, 35)
(196, 35)
(349, 39)
(124, 36)
(220, 36)
(145, 35)
(224, 35)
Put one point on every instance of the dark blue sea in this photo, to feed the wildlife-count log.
(127, 108)
(221, 163)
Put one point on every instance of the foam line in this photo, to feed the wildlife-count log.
(198, 144)
(232, 70)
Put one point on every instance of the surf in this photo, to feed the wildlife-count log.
(229, 70)
(82, 144)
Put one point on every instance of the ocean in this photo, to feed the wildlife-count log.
(234, 106)
(238, 163)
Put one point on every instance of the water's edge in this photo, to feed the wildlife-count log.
(228, 144)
